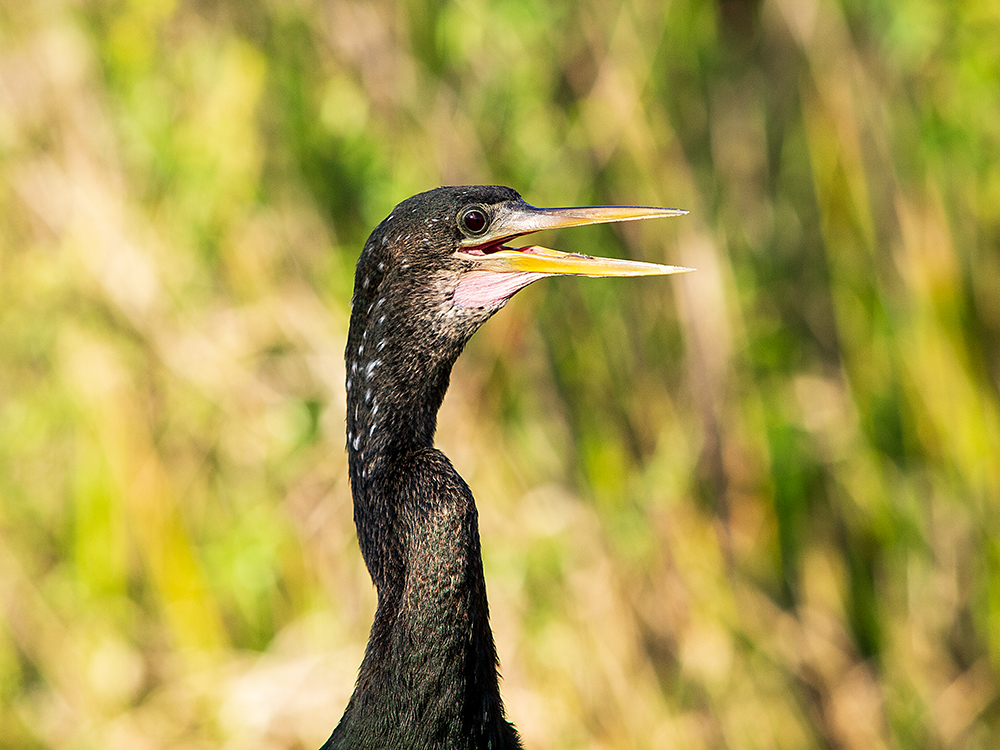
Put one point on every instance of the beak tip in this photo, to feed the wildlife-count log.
(679, 269)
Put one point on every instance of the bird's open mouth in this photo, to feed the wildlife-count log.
(496, 271)
(495, 247)
(486, 249)
(491, 254)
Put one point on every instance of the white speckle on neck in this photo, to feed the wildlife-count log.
(371, 368)
(348, 384)
(374, 409)
(357, 442)
(368, 395)
(381, 345)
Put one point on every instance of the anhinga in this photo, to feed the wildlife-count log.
(429, 276)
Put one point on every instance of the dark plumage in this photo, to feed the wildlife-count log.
(429, 276)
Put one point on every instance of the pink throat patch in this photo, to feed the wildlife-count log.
(488, 288)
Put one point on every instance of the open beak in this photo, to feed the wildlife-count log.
(490, 254)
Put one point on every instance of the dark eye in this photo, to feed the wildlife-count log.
(473, 220)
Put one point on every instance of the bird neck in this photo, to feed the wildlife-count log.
(431, 652)
(393, 397)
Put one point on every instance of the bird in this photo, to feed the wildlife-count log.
(431, 273)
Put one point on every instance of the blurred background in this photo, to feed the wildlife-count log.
(757, 506)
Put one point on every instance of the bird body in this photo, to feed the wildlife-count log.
(429, 675)
(429, 276)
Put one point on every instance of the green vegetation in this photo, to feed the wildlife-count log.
(757, 506)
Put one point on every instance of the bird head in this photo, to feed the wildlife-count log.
(445, 251)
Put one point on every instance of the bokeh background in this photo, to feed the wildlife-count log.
(757, 506)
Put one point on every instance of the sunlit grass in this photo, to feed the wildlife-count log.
(753, 506)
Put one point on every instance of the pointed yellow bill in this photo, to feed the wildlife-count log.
(496, 272)
(543, 260)
(539, 219)
(488, 252)
(513, 221)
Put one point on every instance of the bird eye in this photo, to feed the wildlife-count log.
(473, 220)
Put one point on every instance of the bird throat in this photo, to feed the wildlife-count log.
(488, 289)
